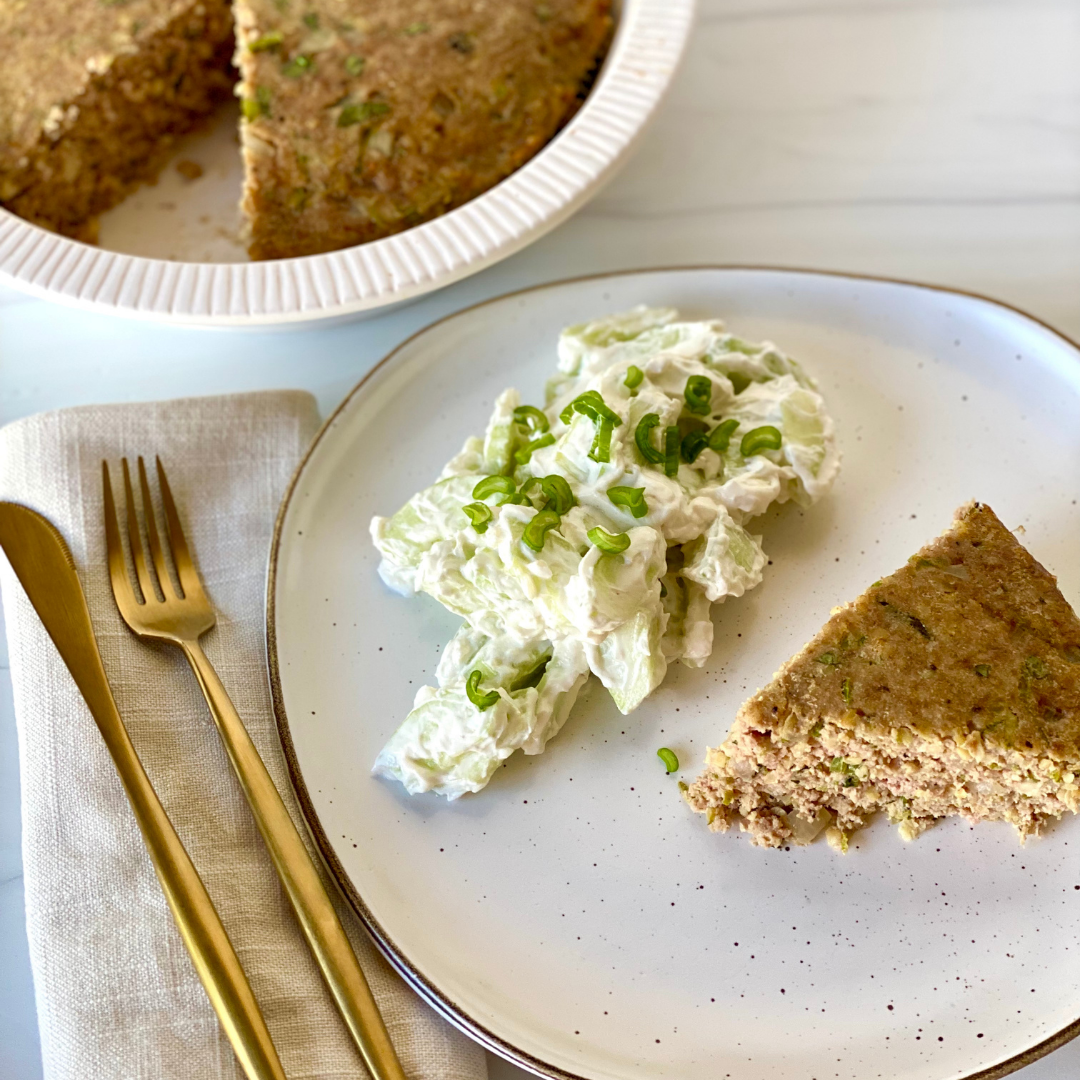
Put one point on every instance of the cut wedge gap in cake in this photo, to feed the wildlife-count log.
(94, 96)
(951, 687)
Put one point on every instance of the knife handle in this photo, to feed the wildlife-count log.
(196, 917)
(303, 884)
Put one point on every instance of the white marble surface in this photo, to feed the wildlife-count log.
(930, 139)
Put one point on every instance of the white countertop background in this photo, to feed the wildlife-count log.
(937, 140)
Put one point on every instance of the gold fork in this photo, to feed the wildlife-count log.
(180, 617)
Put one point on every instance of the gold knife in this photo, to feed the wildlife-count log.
(46, 570)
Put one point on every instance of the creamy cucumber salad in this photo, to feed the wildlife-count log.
(593, 535)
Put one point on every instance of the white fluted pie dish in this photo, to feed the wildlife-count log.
(189, 273)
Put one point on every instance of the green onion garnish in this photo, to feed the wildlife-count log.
(846, 691)
(634, 375)
(671, 762)
(630, 497)
(698, 394)
(601, 447)
(643, 438)
(537, 529)
(739, 381)
(592, 405)
(982, 670)
(494, 485)
(515, 497)
(472, 688)
(758, 439)
(529, 416)
(560, 497)
(720, 436)
(522, 456)
(612, 543)
(479, 514)
(672, 445)
(692, 445)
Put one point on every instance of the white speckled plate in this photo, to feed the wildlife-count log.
(575, 916)
(172, 253)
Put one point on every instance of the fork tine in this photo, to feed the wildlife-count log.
(185, 568)
(118, 571)
(142, 571)
(156, 554)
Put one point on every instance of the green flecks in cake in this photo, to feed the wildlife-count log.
(267, 42)
(297, 66)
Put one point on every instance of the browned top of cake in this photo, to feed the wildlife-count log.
(971, 636)
(53, 48)
(366, 117)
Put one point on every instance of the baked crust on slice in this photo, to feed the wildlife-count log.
(951, 687)
(94, 94)
(366, 117)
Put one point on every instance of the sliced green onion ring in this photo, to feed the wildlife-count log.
(671, 762)
(612, 543)
(494, 485)
(601, 447)
(472, 689)
(692, 445)
(516, 498)
(643, 438)
(592, 405)
(632, 498)
(739, 381)
(529, 416)
(698, 394)
(720, 436)
(672, 445)
(760, 438)
(537, 529)
(557, 490)
(479, 514)
(522, 456)
(634, 375)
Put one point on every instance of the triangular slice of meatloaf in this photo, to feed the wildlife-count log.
(949, 687)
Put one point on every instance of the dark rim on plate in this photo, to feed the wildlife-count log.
(401, 963)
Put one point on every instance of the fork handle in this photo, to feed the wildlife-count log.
(303, 884)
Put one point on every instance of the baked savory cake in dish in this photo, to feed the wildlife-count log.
(365, 117)
(951, 687)
(93, 94)
(360, 118)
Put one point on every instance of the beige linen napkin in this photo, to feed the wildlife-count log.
(117, 996)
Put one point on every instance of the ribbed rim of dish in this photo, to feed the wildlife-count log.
(649, 41)
(386, 945)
